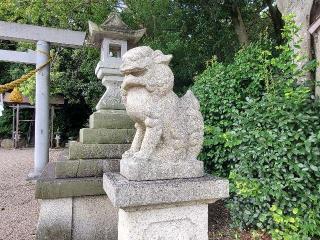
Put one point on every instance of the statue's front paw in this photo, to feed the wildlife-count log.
(128, 154)
(140, 155)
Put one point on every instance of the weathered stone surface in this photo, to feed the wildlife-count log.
(85, 167)
(113, 28)
(31, 33)
(124, 193)
(66, 169)
(94, 218)
(111, 99)
(79, 168)
(104, 136)
(141, 169)
(77, 218)
(169, 128)
(111, 165)
(55, 220)
(29, 57)
(112, 119)
(75, 187)
(79, 150)
(90, 169)
(108, 70)
(48, 187)
(173, 223)
(7, 143)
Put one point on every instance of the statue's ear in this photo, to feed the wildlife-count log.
(159, 57)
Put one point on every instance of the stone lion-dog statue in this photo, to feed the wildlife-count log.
(169, 129)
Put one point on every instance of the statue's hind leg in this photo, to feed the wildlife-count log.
(151, 138)
(137, 141)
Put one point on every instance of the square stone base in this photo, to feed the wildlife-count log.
(172, 223)
(74, 208)
(127, 194)
(140, 170)
(175, 209)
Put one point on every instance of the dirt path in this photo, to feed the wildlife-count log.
(18, 207)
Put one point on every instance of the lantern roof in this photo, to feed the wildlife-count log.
(113, 27)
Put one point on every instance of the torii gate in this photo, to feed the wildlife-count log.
(43, 37)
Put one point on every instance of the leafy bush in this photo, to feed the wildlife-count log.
(6, 124)
(263, 132)
(222, 91)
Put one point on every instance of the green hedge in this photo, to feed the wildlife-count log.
(6, 123)
(263, 133)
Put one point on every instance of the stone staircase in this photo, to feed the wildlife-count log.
(73, 202)
(100, 147)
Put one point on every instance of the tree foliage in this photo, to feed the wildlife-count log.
(72, 70)
(194, 31)
(191, 30)
(263, 132)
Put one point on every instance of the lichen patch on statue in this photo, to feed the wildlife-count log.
(169, 132)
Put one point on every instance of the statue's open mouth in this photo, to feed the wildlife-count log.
(133, 71)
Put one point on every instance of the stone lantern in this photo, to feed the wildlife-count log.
(74, 204)
(110, 128)
(114, 38)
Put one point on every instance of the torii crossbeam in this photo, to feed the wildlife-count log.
(43, 37)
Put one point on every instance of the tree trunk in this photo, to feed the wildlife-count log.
(238, 24)
(276, 18)
(301, 9)
(315, 44)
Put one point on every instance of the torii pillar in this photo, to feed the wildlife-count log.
(43, 37)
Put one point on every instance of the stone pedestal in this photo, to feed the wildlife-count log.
(73, 203)
(163, 209)
(175, 222)
(91, 217)
(141, 169)
(74, 208)
(161, 190)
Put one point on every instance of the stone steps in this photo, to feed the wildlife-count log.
(65, 168)
(106, 136)
(48, 187)
(111, 119)
(79, 150)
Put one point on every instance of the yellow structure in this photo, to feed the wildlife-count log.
(16, 96)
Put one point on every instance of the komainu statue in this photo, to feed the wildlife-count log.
(169, 132)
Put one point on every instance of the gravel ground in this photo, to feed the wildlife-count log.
(18, 207)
